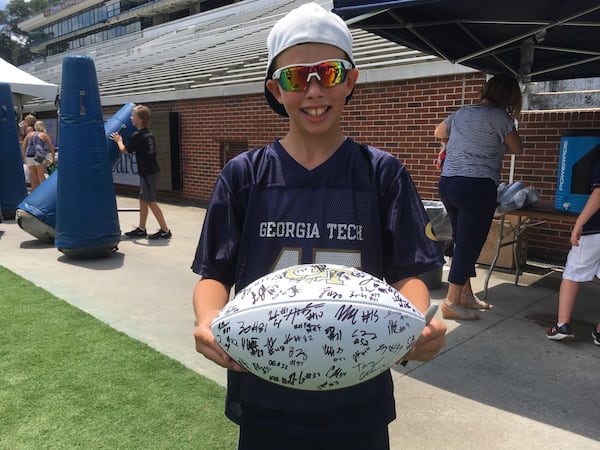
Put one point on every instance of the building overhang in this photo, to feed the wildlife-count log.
(56, 13)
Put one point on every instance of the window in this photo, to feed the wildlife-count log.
(113, 10)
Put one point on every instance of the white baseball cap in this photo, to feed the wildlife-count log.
(309, 23)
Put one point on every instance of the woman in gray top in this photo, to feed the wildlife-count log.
(477, 138)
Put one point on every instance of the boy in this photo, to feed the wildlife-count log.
(583, 262)
(143, 144)
(318, 176)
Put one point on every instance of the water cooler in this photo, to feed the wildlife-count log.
(579, 150)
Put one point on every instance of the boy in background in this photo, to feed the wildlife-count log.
(143, 144)
(583, 262)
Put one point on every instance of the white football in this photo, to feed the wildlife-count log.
(318, 327)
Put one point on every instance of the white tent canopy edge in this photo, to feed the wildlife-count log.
(24, 85)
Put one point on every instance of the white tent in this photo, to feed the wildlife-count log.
(25, 86)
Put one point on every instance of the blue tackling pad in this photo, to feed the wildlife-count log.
(87, 221)
(13, 187)
(37, 213)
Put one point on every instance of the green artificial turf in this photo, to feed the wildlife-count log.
(68, 381)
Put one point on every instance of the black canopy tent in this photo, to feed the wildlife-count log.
(535, 40)
(531, 40)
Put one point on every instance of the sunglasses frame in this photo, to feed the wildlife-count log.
(346, 65)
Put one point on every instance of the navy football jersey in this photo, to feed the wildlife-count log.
(359, 208)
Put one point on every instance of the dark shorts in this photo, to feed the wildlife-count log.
(148, 187)
(267, 438)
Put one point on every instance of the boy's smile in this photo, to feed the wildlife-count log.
(315, 112)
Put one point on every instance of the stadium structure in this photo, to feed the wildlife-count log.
(218, 52)
(155, 49)
(200, 68)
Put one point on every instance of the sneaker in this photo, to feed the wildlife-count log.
(138, 232)
(596, 336)
(560, 333)
(160, 234)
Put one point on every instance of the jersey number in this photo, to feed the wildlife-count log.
(293, 256)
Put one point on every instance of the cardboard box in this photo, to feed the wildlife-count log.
(505, 258)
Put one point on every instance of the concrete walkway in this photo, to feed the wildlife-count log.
(498, 384)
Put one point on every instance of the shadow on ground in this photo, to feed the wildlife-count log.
(505, 360)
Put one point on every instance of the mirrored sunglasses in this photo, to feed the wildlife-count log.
(297, 77)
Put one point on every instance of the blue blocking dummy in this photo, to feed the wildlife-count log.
(37, 213)
(87, 221)
(120, 122)
(13, 187)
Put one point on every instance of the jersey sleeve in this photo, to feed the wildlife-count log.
(408, 251)
(219, 241)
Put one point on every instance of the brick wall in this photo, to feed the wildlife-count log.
(396, 116)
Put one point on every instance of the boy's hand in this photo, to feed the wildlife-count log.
(576, 235)
(208, 346)
(116, 137)
(432, 340)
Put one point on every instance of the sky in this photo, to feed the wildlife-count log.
(3, 4)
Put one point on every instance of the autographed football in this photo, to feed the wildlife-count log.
(318, 327)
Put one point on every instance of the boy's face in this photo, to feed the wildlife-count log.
(136, 121)
(316, 107)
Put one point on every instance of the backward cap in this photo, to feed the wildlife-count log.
(309, 23)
